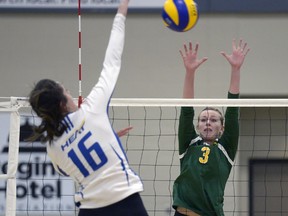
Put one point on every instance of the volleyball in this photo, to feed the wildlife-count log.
(180, 15)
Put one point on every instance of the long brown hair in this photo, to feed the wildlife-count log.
(46, 99)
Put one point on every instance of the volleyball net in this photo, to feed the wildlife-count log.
(258, 182)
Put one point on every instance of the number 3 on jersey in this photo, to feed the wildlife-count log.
(206, 152)
(87, 154)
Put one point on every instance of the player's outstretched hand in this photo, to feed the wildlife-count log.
(190, 59)
(239, 52)
(124, 131)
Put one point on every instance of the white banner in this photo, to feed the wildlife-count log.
(73, 4)
(39, 188)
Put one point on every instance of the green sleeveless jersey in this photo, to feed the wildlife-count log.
(204, 168)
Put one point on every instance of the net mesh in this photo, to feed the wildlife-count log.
(258, 176)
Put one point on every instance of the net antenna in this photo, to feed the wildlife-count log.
(80, 63)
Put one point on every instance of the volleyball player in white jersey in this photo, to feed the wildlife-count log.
(81, 141)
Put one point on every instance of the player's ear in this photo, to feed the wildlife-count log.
(221, 131)
(197, 128)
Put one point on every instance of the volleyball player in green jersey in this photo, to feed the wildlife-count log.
(206, 156)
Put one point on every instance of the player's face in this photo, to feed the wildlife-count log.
(209, 125)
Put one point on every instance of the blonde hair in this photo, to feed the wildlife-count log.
(214, 109)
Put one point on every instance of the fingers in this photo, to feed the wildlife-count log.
(196, 48)
(225, 55)
(242, 46)
(234, 44)
(124, 131)
(191, 47)
(181, 53)
(190, 50)
(203, 60)
(240, 43)
(185, 48)
(247, 50)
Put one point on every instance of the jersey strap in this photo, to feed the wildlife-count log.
(225, 153)
(193, 141)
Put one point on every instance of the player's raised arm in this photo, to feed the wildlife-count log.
(236, 60)
(191, 63)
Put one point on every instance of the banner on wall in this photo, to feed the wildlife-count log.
(204, 6)
(39, 187)
(73, 4)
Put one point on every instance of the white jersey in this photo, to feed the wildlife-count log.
(89, 150)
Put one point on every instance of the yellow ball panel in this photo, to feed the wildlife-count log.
(193, 14)
(171, 9)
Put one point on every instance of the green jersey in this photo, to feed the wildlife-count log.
(204, 168)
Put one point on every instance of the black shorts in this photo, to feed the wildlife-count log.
(178, 214)
(130, 206)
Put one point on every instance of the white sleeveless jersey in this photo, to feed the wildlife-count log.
(90, 151)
